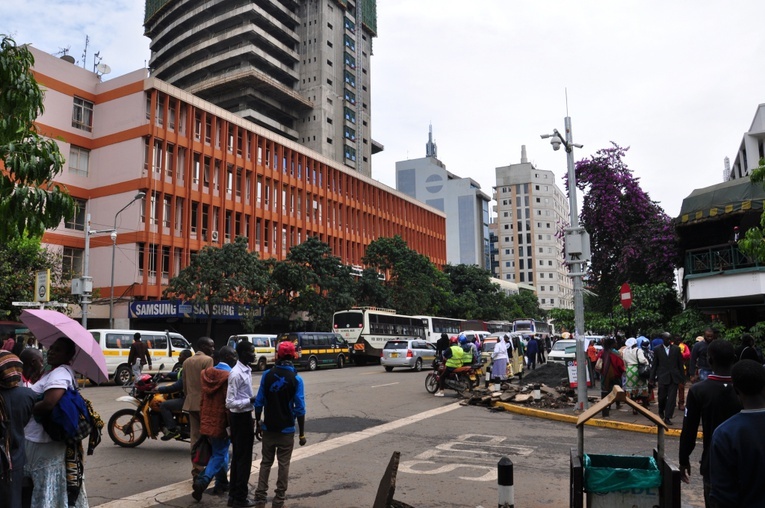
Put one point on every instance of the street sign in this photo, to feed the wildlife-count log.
(626, 296)
(42, 286)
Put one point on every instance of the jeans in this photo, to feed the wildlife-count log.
(218, 464)
(242, 440)
(279, 445)
(167, 408)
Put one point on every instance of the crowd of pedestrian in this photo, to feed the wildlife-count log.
(726, 398)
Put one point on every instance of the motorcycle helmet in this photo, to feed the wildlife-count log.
(453, 340)
(463, 339)
(145, 383)
(286, 349)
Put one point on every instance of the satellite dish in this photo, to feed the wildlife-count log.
(103, 68)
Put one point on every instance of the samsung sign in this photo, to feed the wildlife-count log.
(170, 309)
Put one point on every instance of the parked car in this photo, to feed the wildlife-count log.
(562, 351)
(409, 353)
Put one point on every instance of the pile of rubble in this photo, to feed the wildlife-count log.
(546, 387)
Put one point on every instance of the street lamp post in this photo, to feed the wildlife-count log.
(577, 253)
(138, 196)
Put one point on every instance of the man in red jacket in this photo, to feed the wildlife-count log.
(214, 421)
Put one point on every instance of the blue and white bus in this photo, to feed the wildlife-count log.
(530, 326)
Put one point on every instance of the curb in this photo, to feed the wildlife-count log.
(594, 422)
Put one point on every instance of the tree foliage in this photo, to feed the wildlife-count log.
(20, 260)
(415, 285)
(753, 242)
(220, 275)
(309, 286)
(632, 239)
(30, 201)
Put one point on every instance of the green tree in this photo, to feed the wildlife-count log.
(753, 243)
(653, 307)
(220, 275)
(371, 291)
(563, 319)
(688, 324)
(20, 260)
(310, 283)
(30, 202)
(416, 286)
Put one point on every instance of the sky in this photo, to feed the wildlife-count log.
(677, 82)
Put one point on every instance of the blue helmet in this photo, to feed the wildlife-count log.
(463, 339)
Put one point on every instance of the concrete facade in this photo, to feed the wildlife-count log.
(298, 68)
(531, 211)
(209, 176)
(461, 199)
(751, 150)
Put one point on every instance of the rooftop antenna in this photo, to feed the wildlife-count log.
(85, 51)
(96, 60)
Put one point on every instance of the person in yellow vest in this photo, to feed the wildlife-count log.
(454, 357)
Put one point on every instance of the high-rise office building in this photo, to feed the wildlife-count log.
(531, 211)
(300, 68)
(461, 199)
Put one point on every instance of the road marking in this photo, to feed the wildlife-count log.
(387, 384)
(475, 447)
(174, 491)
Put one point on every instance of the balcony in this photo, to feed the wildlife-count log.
(716, 259)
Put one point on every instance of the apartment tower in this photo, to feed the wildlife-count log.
(531, 212)
(300, 68)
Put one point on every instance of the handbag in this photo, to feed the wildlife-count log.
(201, 451)
(599, 365)
(644, 371)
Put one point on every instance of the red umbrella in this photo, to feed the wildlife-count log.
(49, 325)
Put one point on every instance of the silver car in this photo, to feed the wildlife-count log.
(409, 353)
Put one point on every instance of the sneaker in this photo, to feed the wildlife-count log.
(171, 434)
(439, 393)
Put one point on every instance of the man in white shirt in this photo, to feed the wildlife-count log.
(239, 402)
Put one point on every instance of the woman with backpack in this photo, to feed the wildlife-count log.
(611, 369)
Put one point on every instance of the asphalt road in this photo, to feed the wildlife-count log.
(356, 418)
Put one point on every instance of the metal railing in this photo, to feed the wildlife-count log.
(716, 259)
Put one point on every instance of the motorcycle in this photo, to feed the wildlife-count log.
(130, 427)
(462, 379)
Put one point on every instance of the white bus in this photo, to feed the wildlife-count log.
(435, 326)
(367, 329)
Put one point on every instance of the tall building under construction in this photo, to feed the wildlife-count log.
(300, 68)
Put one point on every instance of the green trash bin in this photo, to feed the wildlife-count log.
(616, 481)
(609, 473)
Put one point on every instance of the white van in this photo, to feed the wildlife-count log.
(164, 347)
(265, 348)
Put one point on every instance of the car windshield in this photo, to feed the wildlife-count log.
(562, 345)
(395, 344)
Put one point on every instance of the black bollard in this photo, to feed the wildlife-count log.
(505, 483)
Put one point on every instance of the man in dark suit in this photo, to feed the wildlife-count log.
(667, 372)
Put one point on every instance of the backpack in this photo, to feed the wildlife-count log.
(70, 420)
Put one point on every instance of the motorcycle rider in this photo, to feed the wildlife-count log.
(170, 406)
(470, 349)
(454, 357)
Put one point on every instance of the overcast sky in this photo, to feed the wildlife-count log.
(678, 82)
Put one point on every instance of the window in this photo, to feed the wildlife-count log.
(82, 114)
(71, 262)
(78, 160)
(77, 222)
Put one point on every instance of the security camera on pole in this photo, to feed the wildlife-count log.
(577, 255)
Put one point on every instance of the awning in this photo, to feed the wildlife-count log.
(734, 196)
